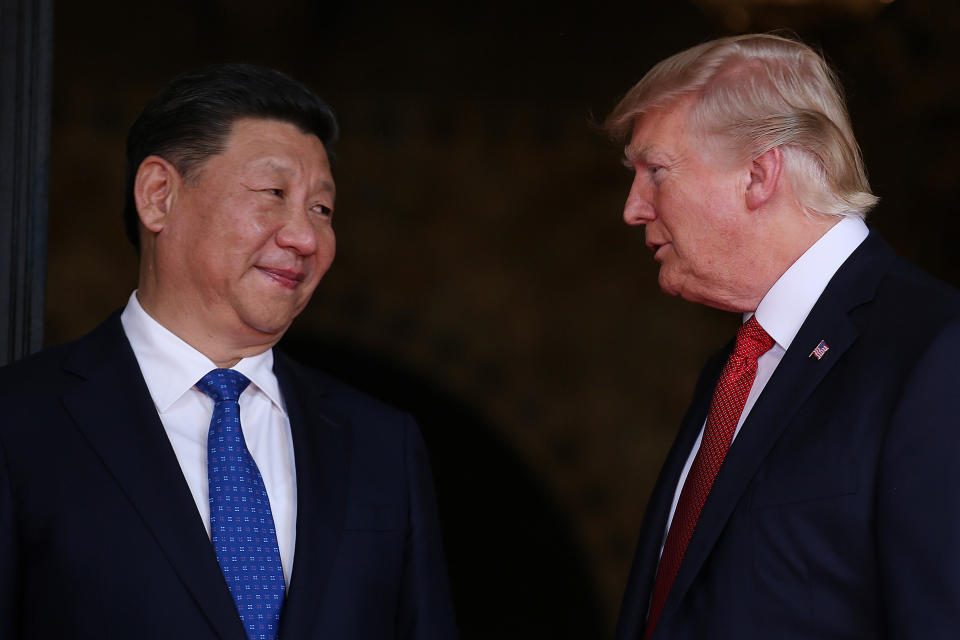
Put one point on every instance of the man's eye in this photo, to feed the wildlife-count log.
(275, 192)
(322, 209)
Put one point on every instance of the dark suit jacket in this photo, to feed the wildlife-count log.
(836, 513)
(100, 537)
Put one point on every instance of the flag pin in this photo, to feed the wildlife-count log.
(819, 351)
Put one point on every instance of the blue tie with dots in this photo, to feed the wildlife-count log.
(241, 523)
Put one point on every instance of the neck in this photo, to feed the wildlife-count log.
(218, 344)
(784, 243)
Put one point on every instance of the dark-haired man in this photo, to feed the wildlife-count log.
(169, 475)
(809, 493)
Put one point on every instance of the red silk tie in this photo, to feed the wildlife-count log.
(726, 406)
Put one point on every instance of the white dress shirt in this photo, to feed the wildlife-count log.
(783, 310)
(171, 368)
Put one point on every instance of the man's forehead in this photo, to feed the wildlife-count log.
(664, 133)
(254, 130)
(279, 148)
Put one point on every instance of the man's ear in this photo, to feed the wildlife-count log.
(153, 191)
(765, 172)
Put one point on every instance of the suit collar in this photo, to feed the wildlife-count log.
(853, 285)
(114, 411)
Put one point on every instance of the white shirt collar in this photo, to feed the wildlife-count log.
(171, 367)
(788, 302)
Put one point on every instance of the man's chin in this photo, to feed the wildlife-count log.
(667, 285)
(267, 328)
(688, 294)
(273, 314)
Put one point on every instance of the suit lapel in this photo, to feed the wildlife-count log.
(115, 412)
(321, 442)
(647, 557)
(796, 377)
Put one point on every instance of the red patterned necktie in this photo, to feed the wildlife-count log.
(725, 408)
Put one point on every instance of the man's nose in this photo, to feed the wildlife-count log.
(638, 209)
(298, 231)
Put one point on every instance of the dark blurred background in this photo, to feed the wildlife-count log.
(484, 279)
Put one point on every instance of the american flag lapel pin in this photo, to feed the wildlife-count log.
(819, 351)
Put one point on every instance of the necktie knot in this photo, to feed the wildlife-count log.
(223, 384)
(752, 341)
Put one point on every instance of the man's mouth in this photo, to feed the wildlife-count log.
(288, 278)
(656, 247)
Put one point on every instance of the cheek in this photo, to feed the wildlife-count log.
(711, 219)
(224, 230)
(326, 249)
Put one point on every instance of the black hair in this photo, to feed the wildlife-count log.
(190, 119)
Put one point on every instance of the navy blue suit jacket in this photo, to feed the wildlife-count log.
(100, 536)
(836, 513)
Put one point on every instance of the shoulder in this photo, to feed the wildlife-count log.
(911, 325)
(43, 374)
(33, 369)
(50, 372)
(877, 285)
(914, 296)
(31, 390)
(384, 443)
(308, 384)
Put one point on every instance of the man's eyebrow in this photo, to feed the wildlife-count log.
(632, 152)
(326, 185)
(642, 154)
(275, 165)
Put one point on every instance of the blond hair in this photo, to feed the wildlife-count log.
(764, 91)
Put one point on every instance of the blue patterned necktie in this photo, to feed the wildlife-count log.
(241, 523)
